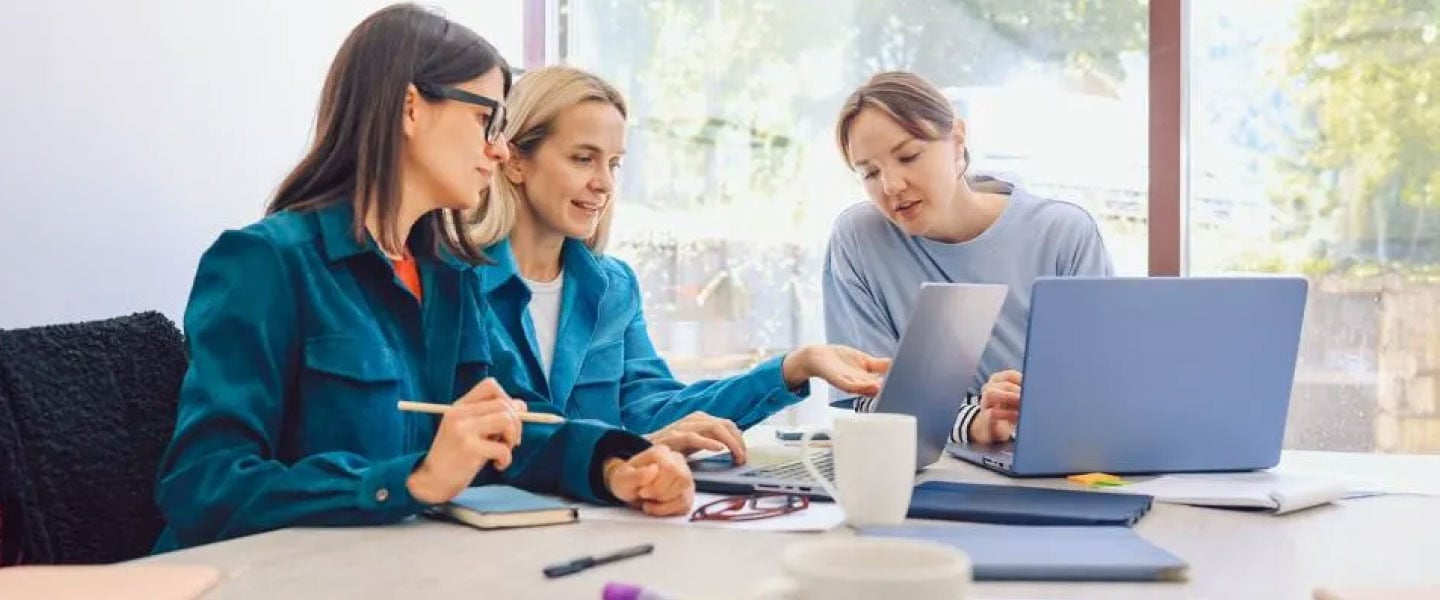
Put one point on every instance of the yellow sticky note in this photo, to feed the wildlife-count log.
(1094, 479)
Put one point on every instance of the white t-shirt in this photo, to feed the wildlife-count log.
(545, 314)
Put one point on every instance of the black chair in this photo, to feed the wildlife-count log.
(11, 537)
(86, 410)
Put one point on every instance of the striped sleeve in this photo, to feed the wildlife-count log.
(969, 409)
(865, 404)
(960, 434)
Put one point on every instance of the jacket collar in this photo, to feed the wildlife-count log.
(579, 264)
(585, 285)
(336, 229)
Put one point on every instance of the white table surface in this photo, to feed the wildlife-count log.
(1387, 540)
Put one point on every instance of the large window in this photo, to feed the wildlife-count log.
(1315, 135)
(1310, 147)
(733, 179)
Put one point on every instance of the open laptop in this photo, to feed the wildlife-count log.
(1153, 375)
(937, 358)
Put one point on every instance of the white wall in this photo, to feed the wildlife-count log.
(133, 132)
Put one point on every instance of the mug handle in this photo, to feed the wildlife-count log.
(812, 470)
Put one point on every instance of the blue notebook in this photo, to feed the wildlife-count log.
(1015, 505)
(502, 507)
(1017, 552)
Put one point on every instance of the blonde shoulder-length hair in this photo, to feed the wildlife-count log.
(533, 105)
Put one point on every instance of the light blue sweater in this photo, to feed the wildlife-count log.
(873, 272)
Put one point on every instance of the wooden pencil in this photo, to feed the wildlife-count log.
(440, 409)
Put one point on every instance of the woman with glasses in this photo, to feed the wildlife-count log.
(357, 291)
(576, 313)
(928, 221)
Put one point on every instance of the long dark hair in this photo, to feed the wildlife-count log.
(356, 150)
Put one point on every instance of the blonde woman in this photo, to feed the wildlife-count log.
(576, 313)
(927, 221)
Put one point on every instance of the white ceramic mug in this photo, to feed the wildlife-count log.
(874, 457)
(841, 568)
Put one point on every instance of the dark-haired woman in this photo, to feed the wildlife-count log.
(355, 292)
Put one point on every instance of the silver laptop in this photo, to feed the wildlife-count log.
(936, 361)
(1153, 375)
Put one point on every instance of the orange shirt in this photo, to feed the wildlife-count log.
(409, 275)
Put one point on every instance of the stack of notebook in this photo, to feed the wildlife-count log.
(1054, 553)
(1015, 505)
(1029, 533)
(1266, 491)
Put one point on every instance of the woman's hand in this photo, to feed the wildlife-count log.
(656, 481)
(481, 427)
(999, 409)
(848, 369)
(700, 431)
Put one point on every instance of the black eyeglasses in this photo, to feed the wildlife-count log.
(494, 128)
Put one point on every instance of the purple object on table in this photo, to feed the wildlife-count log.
(625, 591)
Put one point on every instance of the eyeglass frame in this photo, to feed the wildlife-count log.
(793, 503)
(494, 128)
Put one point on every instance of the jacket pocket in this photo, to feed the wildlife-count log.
(351, 359)
(348, 390)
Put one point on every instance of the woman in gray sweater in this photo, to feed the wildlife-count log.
(926, 221)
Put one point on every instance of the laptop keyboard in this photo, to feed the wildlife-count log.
(795, 470)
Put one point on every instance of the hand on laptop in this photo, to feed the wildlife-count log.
(999, 408)
(700, 431)
(656, 481)
(846, 368)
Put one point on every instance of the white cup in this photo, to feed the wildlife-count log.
(874, 457)
(839, 568)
